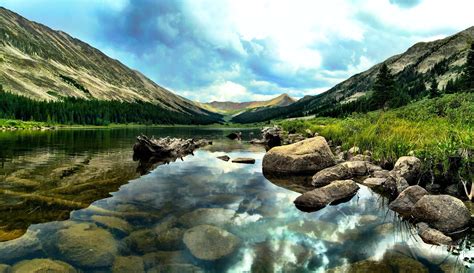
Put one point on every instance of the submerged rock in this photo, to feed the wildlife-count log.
(113, 223)
(42, 266)
(304, 157)
(432, 236)
(26, 245)
(345, 170)
(362, 267)
(124, 264)
(321, 197)
(402, 263)
(210, 243)
(244, 160)
(442, 212)
(407, 199)
(176, 268)
(409, 167)
(87, 245)
(210, 216)
(171, 239)
(5, 268)
(154, 259)
(142, 241)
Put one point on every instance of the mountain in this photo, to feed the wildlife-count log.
(414, 69)
(44, 64)
(228, 107)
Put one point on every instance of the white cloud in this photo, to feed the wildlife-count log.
(251, 49)
(225, 91)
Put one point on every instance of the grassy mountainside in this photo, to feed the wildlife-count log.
(228, 107)
(44, 64)
(413, 71)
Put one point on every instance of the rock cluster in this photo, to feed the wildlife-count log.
(438, 216)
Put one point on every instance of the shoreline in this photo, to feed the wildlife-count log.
(8, 125)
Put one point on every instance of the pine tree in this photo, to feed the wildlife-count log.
(433, 91)
(384, 87)
(469, 70)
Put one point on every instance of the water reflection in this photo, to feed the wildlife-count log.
(45, 175)
(143, 224)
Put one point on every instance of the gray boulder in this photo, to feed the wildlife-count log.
(407, 199)
(432, 236)
(409, 167)
(87, 245)
(345, 170)
(210, 243)
(319, 198)
(304, 157)
(394, 184)
(374, 182)
(442, 212)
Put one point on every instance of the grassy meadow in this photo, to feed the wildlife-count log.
(431, 129)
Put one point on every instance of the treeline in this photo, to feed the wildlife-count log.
(94, 112)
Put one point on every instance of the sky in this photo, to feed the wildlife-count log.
(243, 50)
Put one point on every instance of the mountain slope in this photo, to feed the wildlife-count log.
(44, 64)
(228, 107)
(442, 59)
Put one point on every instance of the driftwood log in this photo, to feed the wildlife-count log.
(151, 152)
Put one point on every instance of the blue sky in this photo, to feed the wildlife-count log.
(250, 49)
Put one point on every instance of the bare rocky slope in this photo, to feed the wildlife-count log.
(442, 59)
(226, 107)
(41, 63)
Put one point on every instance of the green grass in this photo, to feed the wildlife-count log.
(19, 124)
(433, 129)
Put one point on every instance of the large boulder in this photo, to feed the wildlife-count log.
(87, 245)
(42, 266)
(210, 243)
(345, 170)
(304, 157)
(407, 199)
(409, 167)
(319, 198)
(442, 212)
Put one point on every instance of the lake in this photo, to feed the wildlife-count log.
(75, 201)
